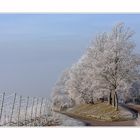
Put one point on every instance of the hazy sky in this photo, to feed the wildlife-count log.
(36, 49)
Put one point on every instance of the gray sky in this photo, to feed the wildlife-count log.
(36, 49)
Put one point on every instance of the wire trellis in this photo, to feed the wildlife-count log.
(17, 110)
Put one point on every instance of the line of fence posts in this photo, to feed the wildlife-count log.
(38, 109)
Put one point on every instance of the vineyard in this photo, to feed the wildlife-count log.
(17, 110)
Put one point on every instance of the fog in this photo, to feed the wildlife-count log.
(36, 49)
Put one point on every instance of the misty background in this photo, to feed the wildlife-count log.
(36, 48)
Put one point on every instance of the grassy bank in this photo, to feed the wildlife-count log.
(100, 112)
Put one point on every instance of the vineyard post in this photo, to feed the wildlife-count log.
(26, 109)
(41, 106)
(36, 110)
(19, 109)
(13, 106)
(41, 119)
(45, 106)
(8, 119)
(2, 106)
(4, 119)
(32, 108)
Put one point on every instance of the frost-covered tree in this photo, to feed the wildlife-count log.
(61, 99)
(80, 84)
(60, 87)
(108, 64)
(113, 60)
(134, 92)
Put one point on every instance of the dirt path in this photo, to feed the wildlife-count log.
(133, 106)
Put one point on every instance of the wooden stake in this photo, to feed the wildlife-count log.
(32, 108)
(41, 106)
(36, 111)
(19, 109)
(13, 108)
(36, 108)
(45, 106)
(2, 106)
(26, 109)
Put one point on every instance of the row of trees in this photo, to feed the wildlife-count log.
(107, 66)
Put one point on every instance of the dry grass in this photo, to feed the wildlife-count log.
(98, 111)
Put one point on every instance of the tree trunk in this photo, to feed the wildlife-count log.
(113, 99)
(110, 99)
(116, 100)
